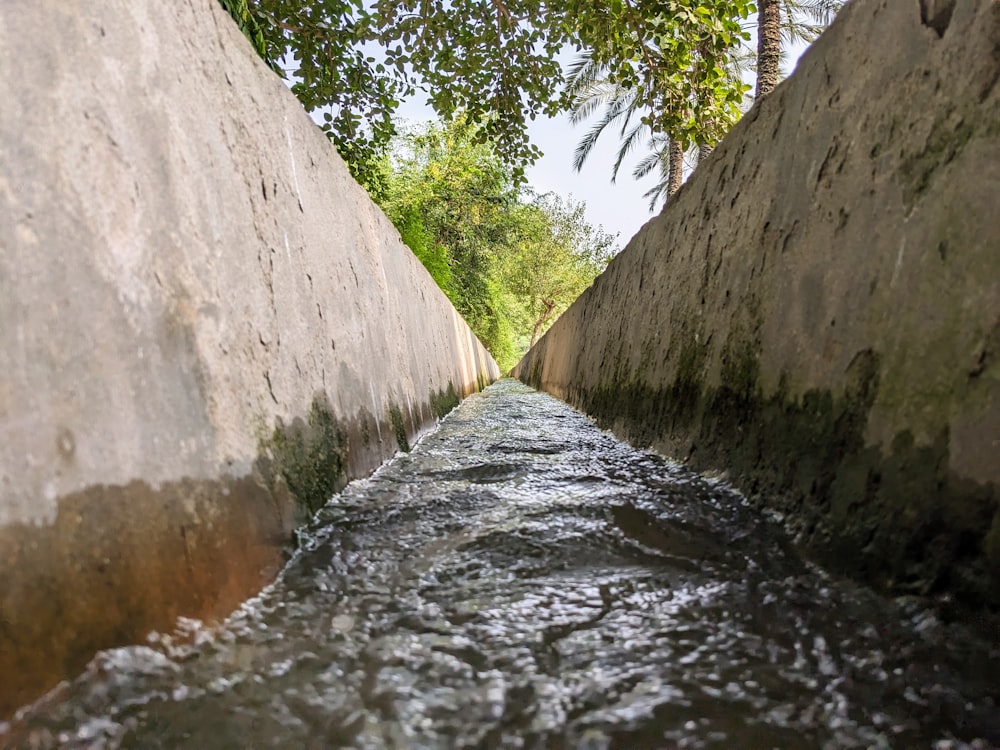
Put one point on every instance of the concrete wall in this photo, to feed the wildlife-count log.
(199, 311)
(817, 313)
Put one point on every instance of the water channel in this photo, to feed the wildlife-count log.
(521, 579)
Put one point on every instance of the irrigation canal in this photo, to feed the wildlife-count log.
(522, 579)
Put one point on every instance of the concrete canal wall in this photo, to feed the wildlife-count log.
(205, 327)
(817, 313)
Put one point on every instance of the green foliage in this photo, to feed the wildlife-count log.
(434, 257)
(509, 261)
(671, 55)
(447, 197)
(247, 23)
(555, 256)
(594, 88)
(322, 44)
(496, 62)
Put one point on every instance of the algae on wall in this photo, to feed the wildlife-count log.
(309, 456)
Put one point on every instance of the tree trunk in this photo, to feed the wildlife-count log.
(704, 151)
(768, 45)
(549, 307)
(675, 167)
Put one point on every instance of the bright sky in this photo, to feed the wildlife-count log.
(618, 207)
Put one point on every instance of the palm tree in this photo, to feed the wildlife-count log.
(667, 156)
(589, 90)
(780, 21)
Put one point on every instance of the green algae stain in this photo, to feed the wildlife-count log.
(309, 456)
(741, 367)
(443, 401)
(948, 137)
(399, 428)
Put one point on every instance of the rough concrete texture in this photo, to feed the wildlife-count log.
(199, 311)
(817, 313)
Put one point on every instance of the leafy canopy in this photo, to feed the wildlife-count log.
(510, 261)
(496, 62)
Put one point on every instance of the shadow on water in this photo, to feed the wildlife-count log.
(521, 579)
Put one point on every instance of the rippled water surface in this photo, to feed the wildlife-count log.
(522, 579)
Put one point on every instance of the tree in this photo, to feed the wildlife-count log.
(320, 44)
(780, 21)
(495, 61)
(671, 57)
(555, 257)
(509, 261)
(667, 157)
(457, 192)
(591, 89)
(431, 254)
(768, 46)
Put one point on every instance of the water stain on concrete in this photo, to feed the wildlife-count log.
(120, 562)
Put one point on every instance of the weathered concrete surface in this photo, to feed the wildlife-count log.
(196, 302)
(818, 311)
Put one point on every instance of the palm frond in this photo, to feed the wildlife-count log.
(821, 11)
(599, 95)
(647, 164)
(586, 145)
(659, 190)
(583, 73)
(629, 140)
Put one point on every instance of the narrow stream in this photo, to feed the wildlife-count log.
(521, 579)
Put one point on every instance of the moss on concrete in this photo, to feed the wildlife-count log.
(399, 428)
(310, 456)
(443, 401)
(948, 136)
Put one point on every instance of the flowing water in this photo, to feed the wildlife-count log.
(522, 579)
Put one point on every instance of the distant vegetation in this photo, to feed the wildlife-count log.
(508, 259)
